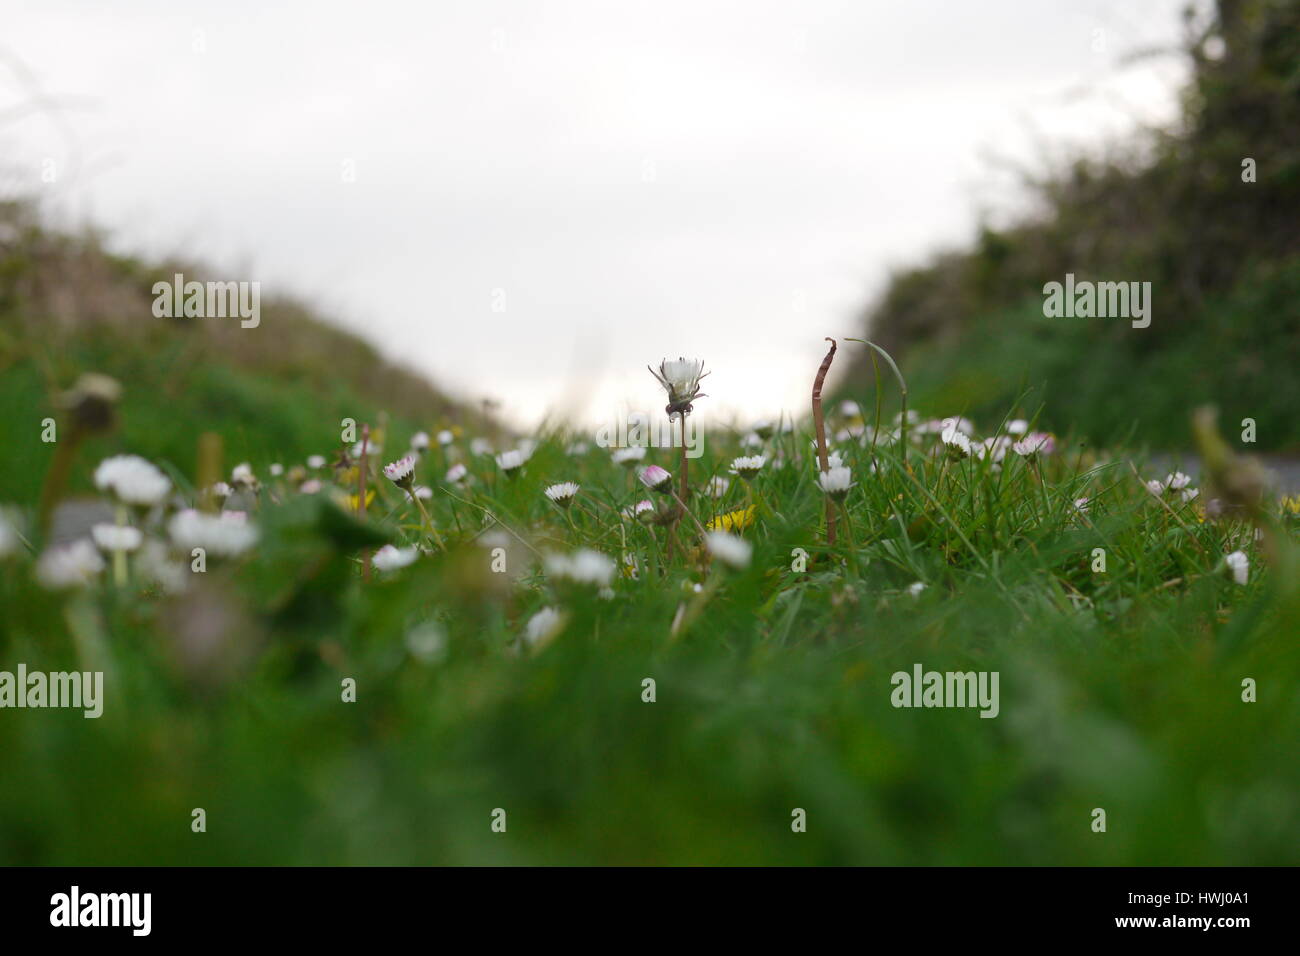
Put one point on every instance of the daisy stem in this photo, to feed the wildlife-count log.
(688, 512)
(424, 516)
(119, 556)
(685, 491)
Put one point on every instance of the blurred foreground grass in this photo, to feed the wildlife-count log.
(1120, 690)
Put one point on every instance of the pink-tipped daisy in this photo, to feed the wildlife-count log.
(657, 479)
(563, 493)
(401, 471)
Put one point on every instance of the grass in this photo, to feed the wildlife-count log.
(1120, 690)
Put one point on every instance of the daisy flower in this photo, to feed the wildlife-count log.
(729, 549)
(563, 493)
(69, 565)
(112, 537)
(657, 479)
(717, 486)
(228, 534)
(456, 474)
(1034, 444)
(1177, 481)
(132, 480)
(243, 475)
(681, 379)
(1239, 566)
(629, 456)
(955, 443)
(402, 471)
(511, 461)
(747, 466)
(315, 461)
(389, 558)
(446, 437)
(584, 566)
(643, 510)
(1017, 426)
(420, 441)
(542, 627)
(836, 482)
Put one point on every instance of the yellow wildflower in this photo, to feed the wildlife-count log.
(734, 521)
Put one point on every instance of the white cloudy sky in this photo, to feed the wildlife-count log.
(725, 179)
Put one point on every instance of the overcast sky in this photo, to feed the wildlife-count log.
(547, 196)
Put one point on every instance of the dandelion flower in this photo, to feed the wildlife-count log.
(563, 493)
(132, 480)
(402, 471)
(836, 482)
(747, 466)
(69, 565)
(657, 479)
(112, 537)
(729, 549)
(733, 520)
(1239, 565)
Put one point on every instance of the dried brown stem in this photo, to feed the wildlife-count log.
(819, 423)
